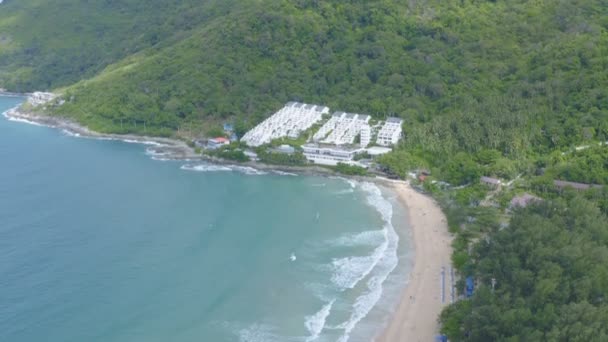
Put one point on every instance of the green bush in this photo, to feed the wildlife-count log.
(294, 159)
(352, 170)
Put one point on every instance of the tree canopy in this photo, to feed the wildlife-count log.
(551, 271)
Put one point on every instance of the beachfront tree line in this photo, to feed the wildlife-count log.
(550, 269)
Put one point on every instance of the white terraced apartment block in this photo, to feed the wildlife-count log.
(342, 128)
(390, 133)
(290, 121)
(366, 135)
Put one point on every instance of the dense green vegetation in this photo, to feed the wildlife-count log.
(351, 170)
(45, 45)
(551, 271)
(229, 153)
(589, 165)
(269, 157)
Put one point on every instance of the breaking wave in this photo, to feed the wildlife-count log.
(70, 133)
(283, 173)
(18, 119)
(205, 168)
(315, 323)
(217, 168)
(384, 258)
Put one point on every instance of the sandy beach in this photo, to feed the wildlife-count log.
(415, 318)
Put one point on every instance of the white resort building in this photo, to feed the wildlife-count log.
(290, 121)
(343, 128)
(334, 142)
(390, 133)
(330, 155)
(366, 135)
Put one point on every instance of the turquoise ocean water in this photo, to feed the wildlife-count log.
(101, 242)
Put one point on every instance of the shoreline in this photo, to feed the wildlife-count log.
(11, 94)
(415, 318)
(177, 148)
(171, 149)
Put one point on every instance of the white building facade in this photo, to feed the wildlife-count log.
(342, 128)
(366, 135)
(330, 155)
(293, 119)
(390, 133)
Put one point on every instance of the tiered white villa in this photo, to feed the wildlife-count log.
(343, 128)
(366, 135)
(334, 141)
(290, 121)
(390, 133)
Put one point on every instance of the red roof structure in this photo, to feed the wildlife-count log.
(221, 140)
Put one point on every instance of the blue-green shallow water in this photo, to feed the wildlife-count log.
(98, 242)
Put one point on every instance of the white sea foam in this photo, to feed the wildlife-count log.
(7, 114)
(143, 142)
(155, 153)
(283, 173)
(348, 272)
(205, 168)
(378, 202)
(111, 138)
(315, 323)
(18, 119)
(215, 168)
(70, 133)
(248, 170)
(161, 159)
(351, 182)
(387, 263)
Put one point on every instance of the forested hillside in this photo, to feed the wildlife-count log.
(508, 75)
(516, 90)
(48, 44)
